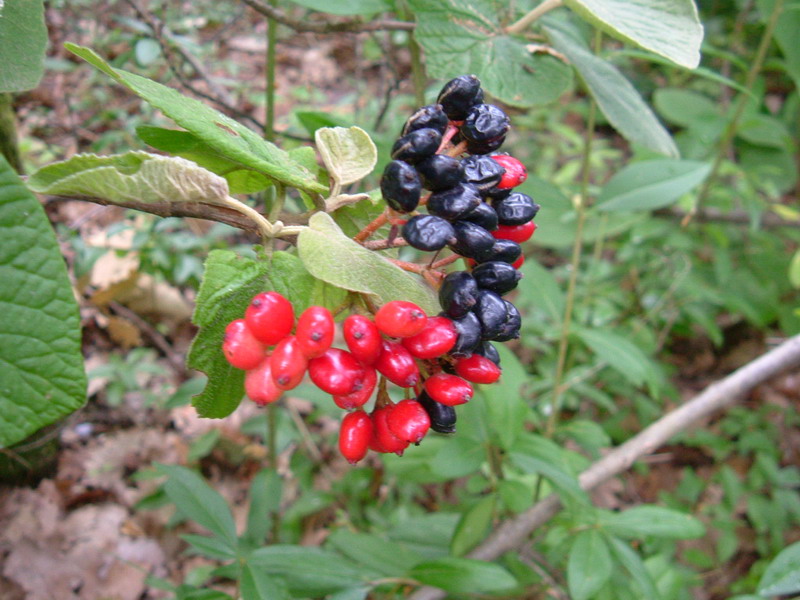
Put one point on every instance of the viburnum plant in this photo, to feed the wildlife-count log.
(475, 212)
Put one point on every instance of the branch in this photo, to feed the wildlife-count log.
(304, 26)
(514, 532)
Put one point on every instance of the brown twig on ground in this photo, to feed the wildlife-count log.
(514, 532)
(304, 26)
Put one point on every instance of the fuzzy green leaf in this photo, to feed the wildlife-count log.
(24, 42)
(42, 378)
(348, 153)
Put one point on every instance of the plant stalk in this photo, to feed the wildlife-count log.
(272, 35)
(545, 7)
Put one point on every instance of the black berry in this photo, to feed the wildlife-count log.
(428, 232)
(472, 241)
(491, 312)
(506, 251)
(417, 145)
(440, 172)
(483, 215)
(485, 123)
(496, 276)
(487, 350)
(511, 325)
(454, 203)
(516, 209)
(401, 186)
(458, 294)
(474, 147)
(427, 117)
(482, 171)
(469, 334)
(442, 416)
(459, 95)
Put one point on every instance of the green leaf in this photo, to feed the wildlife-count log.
(231, 139)
(540, 289)
(146, 51)
(536, 454)
(786, 28)
(42, 378)
(391, 559)
(229, 283)
(763, 130)
(200, 502)
(670, 28)
(621, 354)
(241, 179)
(589, 566)
(684, 107)
(348, 7)
(331, 256)
(651, 184)
(131, 177)
(349, 154)
(309, 571)
(615, 95)
(794, 270)
(202, 446)
(504, 402)
(459, 457)
(265, 499)
(211, 547)
(24, 42)
(463, 576)
(782, 577)
(464, 36)
(649, 520)
(628, 558)
(472, 527)
(256, 584)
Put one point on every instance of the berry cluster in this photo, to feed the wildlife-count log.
(401, 343)
(472, 208)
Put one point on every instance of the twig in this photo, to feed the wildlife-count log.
(524, 22)
(305, 26)
(514, 532)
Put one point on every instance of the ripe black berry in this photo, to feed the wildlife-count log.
(428, 232)
(431, 116)
(504, 251)
(417, 145)
(511, 325)
(483, 215)
(499, 277)
(459, 95)
(487, 147)
(469, 334)
(442, 416)
(401, 186)
(454, 203)
(485, 123)
(440, 172)
(487, 350)
(516, 209)
(482, 171)
(472, 241)
(491, 312)
(458, 294)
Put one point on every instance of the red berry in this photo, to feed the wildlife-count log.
(315, 331)
(448, 389)
(241, 348)
(399, 318)
(259, 386)
(397, 365)
(354, 436)
(382, 435)
(518, 263)
(362, 338)
(515, 233)
(438, 337)
(478, 369)
(359, 397)
(408, 421)
(288, 363)
(336, 372)
(270, 317)
(515, 173)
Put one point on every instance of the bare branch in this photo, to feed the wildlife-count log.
(301, 25)
(514, 532)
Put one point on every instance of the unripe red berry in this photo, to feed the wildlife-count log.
(336, 372)
(359, 397)
(515, 174)
(315, 329)
(363, 338)
(448, 389)
(288, 363)
(383, 436)
(408, 421)
(397, 365)
(240, 346)
(399, 318)
(436, 339)
(270, 317)
(515, 233)
(477, 369)
(354, 436)
(259, 386)
(518, 263)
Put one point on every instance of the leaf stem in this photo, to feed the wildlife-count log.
(741, 103)
(272, 36)
(545, 7)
